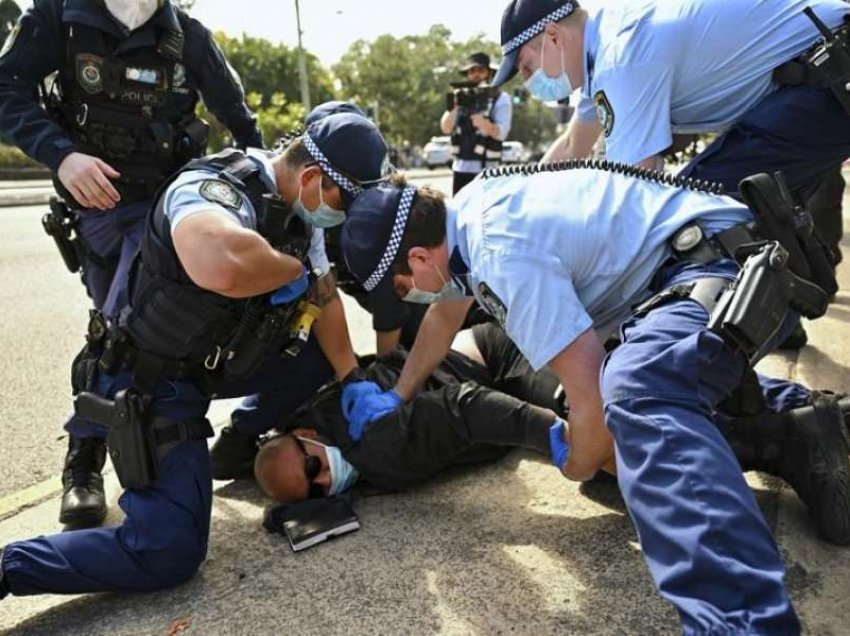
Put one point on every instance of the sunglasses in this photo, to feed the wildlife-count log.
(312, 468)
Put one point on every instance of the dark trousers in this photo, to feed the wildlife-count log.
(163, 538)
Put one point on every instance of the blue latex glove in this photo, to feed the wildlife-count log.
(558, 445)
(353, 391)
(370, 408)
(291, 291)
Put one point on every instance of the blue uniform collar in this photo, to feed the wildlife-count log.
(262, 159)
(94, 14)
(458, 262)
(591, 45)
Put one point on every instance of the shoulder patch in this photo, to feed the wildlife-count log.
(221, 192)
(10, 39)
(492, 303)
(604, 112)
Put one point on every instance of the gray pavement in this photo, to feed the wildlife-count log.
(507, 548)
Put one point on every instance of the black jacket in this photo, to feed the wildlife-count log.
(37, 48)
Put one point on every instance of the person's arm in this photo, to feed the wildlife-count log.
(448, 120)
(441, 323)
(223, 257)
(220, 86)
(387, 341)
(590, 444)
(576, 143)
(331, 330)
(655, 162)
(500, 126)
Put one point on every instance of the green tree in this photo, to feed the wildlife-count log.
(9, 13)
(405, 80)
(269, 75)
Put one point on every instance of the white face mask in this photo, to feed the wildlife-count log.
(545, 88)
(132, 13)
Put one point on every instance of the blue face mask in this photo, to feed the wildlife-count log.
(549, 89)
(343, 474)
(324, 216)
(449, 291)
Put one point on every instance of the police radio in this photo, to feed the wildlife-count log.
(829, 62)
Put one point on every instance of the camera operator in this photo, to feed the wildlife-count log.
(478, 117)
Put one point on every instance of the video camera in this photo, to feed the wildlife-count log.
(470, 97)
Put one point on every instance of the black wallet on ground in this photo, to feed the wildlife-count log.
(312, 521)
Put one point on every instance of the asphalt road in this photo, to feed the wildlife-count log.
(44, 310)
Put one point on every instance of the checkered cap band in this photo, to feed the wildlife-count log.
(336, 176)
(537, 27)
(395, 239)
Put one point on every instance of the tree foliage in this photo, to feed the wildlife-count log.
(405, 81)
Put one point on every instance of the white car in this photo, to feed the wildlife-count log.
(512, 152)
(438, 152)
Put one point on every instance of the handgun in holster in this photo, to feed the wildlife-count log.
(61, 225)
(128, 440)
(779, 218)
(753, 309)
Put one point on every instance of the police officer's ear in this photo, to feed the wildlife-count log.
(309, 174)
(420, 255)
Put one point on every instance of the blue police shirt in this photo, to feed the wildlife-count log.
(501, 115)
(184, 198)
(655, 67)
(555, 253)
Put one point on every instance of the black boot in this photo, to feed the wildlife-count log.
(808, 448)
(83, 500)
(797, 339)
(233, 454)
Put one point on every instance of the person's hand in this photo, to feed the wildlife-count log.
(479, 121)
(87, 179)
(354, 391)
(369, 408)
(558, 446)
(291, 291)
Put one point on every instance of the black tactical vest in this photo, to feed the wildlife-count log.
(170, 316)
(468, 143)
(133, 108)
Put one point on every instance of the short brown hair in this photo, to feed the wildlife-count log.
(426, 224)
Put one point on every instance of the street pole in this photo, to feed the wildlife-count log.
(302, 63)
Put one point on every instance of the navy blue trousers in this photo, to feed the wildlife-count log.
(705, 541)
(163, 538)
(802, 131)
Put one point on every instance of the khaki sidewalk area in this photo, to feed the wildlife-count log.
(510, 548)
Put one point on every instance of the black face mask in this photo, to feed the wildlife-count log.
(283, 228)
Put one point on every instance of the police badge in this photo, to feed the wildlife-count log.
(222, 193)
(89, 74)
(492, 303)
(604, 112)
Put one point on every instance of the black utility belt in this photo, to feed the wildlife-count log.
(691, 243)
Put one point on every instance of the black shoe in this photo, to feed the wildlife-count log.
(817, 467)
(797, 339)
(233, 454)
(83, 500)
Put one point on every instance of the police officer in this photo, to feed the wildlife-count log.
(233, 453)
(119, 120)
(653, 69)
(559, 278)
(217, 289)
(477, 134)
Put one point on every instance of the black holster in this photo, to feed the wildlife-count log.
(752, 310)
(138, 441)
(61, 225)
(127, 440)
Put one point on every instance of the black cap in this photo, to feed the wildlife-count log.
(332, 108)
(372, 233)
(478, 59)
(521, 21)
(349, 149)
